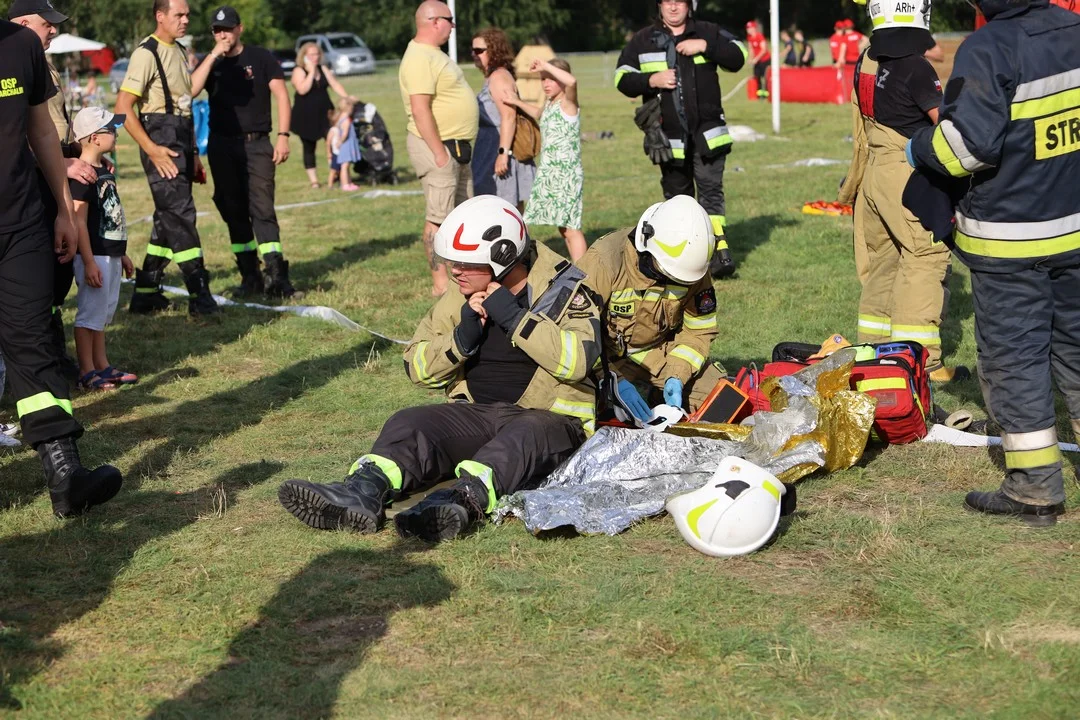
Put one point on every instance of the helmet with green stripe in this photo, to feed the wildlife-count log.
(886, 14)
(678, 234)
(735, 513)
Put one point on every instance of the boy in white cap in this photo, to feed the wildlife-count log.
(102, 250)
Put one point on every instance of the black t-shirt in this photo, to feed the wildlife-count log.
(239, 90)
(24, 83)
(499, 371)
(904, 90)
(105, 215)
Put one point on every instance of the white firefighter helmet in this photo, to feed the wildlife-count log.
(679, 236)
(735, 513)
(898, 13)
(484, 230)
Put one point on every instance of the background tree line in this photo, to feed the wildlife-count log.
(387, 25)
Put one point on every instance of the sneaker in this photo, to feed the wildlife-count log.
(998, 503)
(6, 441)
(9, 429)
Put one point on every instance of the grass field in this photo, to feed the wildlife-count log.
(194, 594)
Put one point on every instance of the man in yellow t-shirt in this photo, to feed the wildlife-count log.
(155, 97)
(443, 119)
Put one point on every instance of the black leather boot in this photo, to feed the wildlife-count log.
(998, 503)
(251, 280)
(276, 278)
(148, 298)
(73, 488)
(445, 514)
(200, 302)
(357, 504)
(722, 264)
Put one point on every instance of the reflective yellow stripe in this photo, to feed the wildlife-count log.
(904, 18)
(694, 516)
(159, 251)
(742, 47)
(623, 296)
(668, 293)
(585, 412)
(1018, 248)
(389, 468)
(638, 356)
(148, 290)
(187, 255)
(923, 334)
(688, 354)
(702, 322)
(568, 358)
(945, 154)
(771, 488)
(243, 247)
(651, 67)
(271, 247)
(718, 141)
(1027, 459)
(42, 401)
(484, 473)
(880, 20)
(419, 363)
(678, 153)
(1048, 105)
(718, 223)
(701, 60)
(881, 384)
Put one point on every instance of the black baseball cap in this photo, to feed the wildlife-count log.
(44, 8)
(225, 17)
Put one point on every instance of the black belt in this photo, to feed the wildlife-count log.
(247, 137)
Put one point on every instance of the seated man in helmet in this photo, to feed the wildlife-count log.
(659, 304)
(514, 343)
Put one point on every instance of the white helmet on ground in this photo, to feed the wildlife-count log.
(735, 513)
(484, 230)
(679, 236)
(898, 13)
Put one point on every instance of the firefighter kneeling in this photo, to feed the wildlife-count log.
(659, 304)
(514, 344)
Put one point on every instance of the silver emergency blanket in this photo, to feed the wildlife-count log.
(620, 476)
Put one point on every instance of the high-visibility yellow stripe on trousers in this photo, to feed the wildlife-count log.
(922, 334)
(1024, 451)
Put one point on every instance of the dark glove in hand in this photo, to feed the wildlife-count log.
(503, 309)
(469, 333)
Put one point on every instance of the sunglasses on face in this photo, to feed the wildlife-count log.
(479, 51)
(447, 18)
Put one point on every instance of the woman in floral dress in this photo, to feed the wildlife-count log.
(556, 194)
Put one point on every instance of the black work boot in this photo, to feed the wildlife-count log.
(68, 366)
(148, 298)
(722, 264)
(998, 503)
(200, 302)
(276, 276)
(357, 504)
(445, 514)
(73, 488)
(251, 280)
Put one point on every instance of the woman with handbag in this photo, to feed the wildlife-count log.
(495, 168)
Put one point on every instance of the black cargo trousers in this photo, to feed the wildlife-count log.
(243, 169)
(512, 445)
(42, 395)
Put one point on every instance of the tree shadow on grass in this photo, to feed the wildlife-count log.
(317, 629)
(55, 577)
(744, 236)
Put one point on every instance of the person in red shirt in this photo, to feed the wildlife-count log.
(759, 55)
(851, 45)
(836, 40)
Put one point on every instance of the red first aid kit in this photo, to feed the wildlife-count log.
(893, 373)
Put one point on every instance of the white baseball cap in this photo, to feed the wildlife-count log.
(94, 119)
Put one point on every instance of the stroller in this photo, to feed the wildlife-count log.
(376, 148)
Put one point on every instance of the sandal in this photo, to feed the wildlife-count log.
(119, 377)
(91, 382)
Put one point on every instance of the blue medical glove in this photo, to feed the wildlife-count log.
(633, 401)
(673, 392)
(908, 155)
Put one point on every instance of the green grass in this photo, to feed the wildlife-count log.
(194, 594)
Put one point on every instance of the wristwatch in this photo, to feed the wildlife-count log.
(507, 152)
(285, 134)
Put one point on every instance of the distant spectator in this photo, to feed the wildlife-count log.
(342, 146)
(805, 49)
(529, 84)
(102, 257)
(494, 56)
(852, 43)
(759, 56)
(311, 105)
(787, 47)
(836, 40)
(92, 95)
(442, 122)
(557, 193)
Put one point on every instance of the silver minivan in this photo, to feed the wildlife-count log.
(345, 53)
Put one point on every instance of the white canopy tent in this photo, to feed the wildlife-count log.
(68, 43)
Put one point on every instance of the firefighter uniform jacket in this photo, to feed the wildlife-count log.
(1011, 121)
(560, 331)
(666, 329)
(693, 111)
